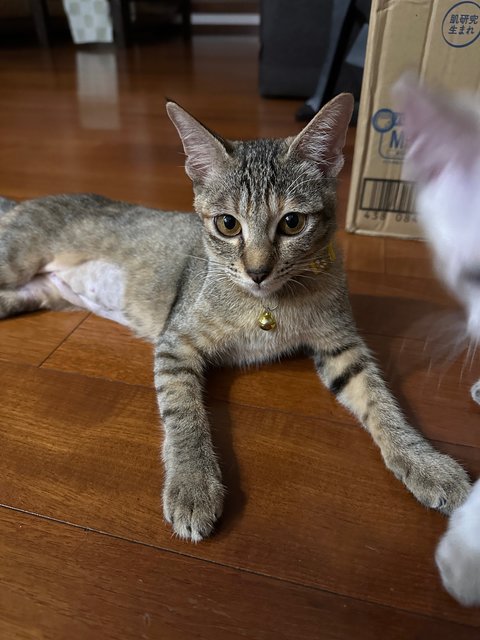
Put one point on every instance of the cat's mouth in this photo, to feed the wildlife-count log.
(263, 289)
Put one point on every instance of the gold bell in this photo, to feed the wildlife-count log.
(266, 320)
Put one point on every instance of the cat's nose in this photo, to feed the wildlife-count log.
(258, 275)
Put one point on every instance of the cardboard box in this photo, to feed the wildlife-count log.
(440, 40)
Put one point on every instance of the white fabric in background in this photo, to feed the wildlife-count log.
(89, 20)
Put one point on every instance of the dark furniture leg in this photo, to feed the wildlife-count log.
(326, 85)
(121, 20)
(352, 17)
(185, 10)
(41, 17)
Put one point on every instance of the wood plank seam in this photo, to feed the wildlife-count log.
(207, 561)
(62, 341)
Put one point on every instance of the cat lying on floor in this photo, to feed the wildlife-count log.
(443, 158)
(252, 277)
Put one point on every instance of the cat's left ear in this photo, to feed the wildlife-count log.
(323, 139)
(206, 152)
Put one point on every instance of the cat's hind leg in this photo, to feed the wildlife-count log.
(22, 252)
(36, 233)
(39, 293)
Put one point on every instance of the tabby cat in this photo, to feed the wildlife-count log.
(254, 276)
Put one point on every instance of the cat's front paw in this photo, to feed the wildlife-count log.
(193, 501)
(435, 479)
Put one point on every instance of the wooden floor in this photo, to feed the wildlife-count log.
(318, 540)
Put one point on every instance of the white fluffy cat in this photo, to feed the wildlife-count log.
(443, 158)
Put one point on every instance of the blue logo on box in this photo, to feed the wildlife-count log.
(389, 124)
(461, 24)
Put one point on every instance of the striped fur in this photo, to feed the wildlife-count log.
(187, 289)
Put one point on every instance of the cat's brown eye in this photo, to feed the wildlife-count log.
(228, 225)
(292, 223)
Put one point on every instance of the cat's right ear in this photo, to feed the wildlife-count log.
(206, 152)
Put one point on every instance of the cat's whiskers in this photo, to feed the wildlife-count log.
(446, 338)
(294, 280)
(474, 352)
(440, 379)
(298, 277)
(469, 356)
(295, 184)
(289, 286)
(209, 260)
(307, 260)
(292, 184)
(317, 277)
(191, 255)
(310, 276)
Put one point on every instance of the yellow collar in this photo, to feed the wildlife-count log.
(322, 263)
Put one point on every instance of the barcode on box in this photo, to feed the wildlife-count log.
(396, 196)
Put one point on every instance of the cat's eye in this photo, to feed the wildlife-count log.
(292, 223)
(228, 225)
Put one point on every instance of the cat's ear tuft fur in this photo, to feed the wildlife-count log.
(323, 139)
(206, 152)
